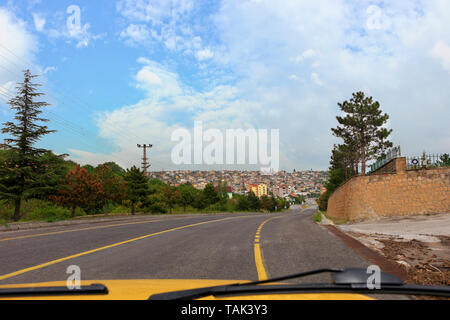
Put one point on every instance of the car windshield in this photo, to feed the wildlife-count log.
(203, 143)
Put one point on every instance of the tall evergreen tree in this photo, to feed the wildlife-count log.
(187, 195)
(138, 186)
(345, 157)
(362, 127)
(254, 203)
(20, 173)
(210, 194)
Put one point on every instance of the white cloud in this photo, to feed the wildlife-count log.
(156, 80)
(82, 35)
(442, 52)
(147, 77)
(325, 43)
(156, 12)
(315, 77)
(15, 41)
(204, 54)
(136, 34)
(153, 117)
(49, 69)
(163, 21)
(334, 49)
(39, 22)
(307, 54)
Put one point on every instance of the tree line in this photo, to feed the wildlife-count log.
(28, 172)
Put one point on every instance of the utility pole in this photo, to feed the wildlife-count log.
(145, 164)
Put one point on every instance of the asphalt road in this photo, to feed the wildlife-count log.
(247, 246)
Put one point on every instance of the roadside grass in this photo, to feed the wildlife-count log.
(317, 217)
(36, 210)
(46, 211)
(3, 222)
(336, 220)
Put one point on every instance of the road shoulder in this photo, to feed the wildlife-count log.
(417, 247)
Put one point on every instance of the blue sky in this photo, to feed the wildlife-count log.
(136, 70)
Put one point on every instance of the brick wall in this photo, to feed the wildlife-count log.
(425, 191)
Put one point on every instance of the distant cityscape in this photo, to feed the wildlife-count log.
(280, 184)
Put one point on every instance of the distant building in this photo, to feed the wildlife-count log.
(282, 190)
(259, 189)
(229, 191)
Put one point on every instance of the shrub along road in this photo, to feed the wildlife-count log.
(247, 246)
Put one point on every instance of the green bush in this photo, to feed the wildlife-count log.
(317, 217)
(6, 211)
(51, 213)
(37, 210)
(118, 208)
(157, 207)
(323, 200)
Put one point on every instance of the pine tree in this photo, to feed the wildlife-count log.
(138, 187)
(210, 194)
(362, 128)
(254, 203)
(20, 172)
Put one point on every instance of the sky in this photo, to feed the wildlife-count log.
(118, 73)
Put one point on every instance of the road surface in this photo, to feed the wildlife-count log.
(248, 246)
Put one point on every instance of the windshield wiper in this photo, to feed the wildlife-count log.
(350, 280)
(94, 289)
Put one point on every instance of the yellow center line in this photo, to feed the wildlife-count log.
(46, 264)
(261, 270)
(83, 229)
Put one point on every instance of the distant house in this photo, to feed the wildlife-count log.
(282, 190)
(259, 189)
(229, 192)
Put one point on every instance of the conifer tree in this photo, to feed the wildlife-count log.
(20, 173)
(362, 128)
(137, 186)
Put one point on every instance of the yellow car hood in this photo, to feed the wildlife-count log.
(142, 289)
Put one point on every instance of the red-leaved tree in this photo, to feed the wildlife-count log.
(79, 189)
(113, 186)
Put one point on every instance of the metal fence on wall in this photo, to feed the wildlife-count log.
(390, 154)
(427, 161)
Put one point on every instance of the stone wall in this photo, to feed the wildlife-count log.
(401, 192)
(393, 166)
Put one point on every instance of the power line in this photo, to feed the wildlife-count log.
(127, 134)
(74, 98)
(69, 126)
(71, 130)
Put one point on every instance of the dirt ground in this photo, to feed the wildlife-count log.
(425, 263)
